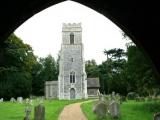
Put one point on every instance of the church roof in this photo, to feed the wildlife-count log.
(51, 82)
(93, 83)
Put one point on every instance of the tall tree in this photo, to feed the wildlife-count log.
(113, 67)
(17, 60)
(46, 69)
(91, 68)
(140, 72)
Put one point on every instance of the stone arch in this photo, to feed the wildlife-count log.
(72, 93)
(134, 21)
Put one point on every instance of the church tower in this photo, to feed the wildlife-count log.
(72, 82)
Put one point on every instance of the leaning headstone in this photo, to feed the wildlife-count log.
(12, 100)
(19, 99)
(114, 109)
(156, 116)
(100, 109)
(39, 112)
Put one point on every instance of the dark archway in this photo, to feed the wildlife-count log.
(139, 19)
(72, 94)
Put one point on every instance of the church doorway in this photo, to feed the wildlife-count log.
(72, 94)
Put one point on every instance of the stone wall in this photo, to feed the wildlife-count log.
(51, 89)
(92, 91)
(72, 60)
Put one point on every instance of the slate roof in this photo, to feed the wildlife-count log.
(93, 83)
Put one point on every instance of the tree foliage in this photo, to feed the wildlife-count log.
(91, 68)
(125, 72)
(46, 69)
(23, 74)
(140, 73)
(16, 63)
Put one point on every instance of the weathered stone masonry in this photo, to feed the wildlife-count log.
(72, 77)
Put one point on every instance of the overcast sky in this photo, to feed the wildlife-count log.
(43, 31)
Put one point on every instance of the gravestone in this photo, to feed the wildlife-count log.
(102, 97)
(156, 116)
(100, 109)
(114, 109)
(113, 97)
(12, 100)
(39, 112)
(132, 95)
(98, 92)
(27, 101)
(1, 100)
(19, 99)
(28, 112)
(31, 102)
(117, 96)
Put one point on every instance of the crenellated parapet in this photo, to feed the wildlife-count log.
(71, 24)
(71, 27)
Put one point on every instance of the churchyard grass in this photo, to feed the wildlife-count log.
(130, 110)
(16, 111)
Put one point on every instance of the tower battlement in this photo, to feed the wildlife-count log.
(76, 27)
(71, 24)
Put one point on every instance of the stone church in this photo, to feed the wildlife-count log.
(72, 79)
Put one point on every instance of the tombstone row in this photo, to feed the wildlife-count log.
(107, 105)
(20, 100)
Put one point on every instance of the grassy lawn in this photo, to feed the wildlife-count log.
(130, 110)
(15, 111)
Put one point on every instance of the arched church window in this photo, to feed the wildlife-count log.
(72, 77)
(71, 38)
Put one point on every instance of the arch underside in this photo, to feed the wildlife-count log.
(136, 19)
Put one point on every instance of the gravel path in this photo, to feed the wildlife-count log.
(72, 112)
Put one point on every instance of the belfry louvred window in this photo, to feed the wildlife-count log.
(71, 38)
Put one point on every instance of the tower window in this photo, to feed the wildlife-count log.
(71, 38)
(72, 77)
(71, 59)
